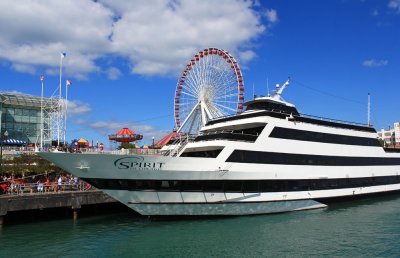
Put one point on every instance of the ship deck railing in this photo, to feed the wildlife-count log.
(333, 120)
(14, 188)
(301, 115)
(300, 118)
(145, 152)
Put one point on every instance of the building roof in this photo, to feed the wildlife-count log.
(171, 136)
(23, 100)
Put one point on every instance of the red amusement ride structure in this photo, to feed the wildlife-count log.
(169, 138)
(125, 135)
(210, 86)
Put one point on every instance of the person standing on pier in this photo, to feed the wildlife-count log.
(59, 183)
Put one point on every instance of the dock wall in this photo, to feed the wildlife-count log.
(39, 201)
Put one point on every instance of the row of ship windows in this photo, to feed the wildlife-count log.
(241, 185)
(301, 135)
(259, 157)
(282, 133)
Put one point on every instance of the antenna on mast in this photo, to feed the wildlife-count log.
(369, 109)
(278, 93)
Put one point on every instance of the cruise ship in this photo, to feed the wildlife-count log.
(268, 159)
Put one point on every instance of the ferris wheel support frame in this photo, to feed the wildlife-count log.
(188, 117)
(211, 86)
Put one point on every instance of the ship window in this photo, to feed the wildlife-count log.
(202, 154)
(246, 186)
(192, 185)
(233, 186)
(246, 134)
(213, 185)
(259, 157)
(301, 135)
(170, 185)
(250, 186)
(275, 107)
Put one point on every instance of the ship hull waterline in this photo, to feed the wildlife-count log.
(159, 203)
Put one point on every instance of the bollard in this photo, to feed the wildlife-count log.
(75, 214)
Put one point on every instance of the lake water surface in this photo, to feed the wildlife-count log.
(366, 228)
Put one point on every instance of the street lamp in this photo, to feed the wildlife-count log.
(1, 150)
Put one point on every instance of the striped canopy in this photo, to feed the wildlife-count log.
(171, 136)
(125, 135)
(13, 142)
(81, 140)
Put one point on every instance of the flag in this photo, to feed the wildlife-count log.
(69, 82)
(42, 77)
(63, 55)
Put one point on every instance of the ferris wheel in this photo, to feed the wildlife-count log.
(211, 86)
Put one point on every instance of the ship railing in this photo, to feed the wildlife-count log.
(333, 120)
(222, 118)
(143, 152)
(14, 188)
(177, 145)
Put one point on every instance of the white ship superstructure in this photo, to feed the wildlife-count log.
(267, 159)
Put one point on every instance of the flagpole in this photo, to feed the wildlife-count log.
(66, 109)
(41, 114)
(59, 100)
(369, 110)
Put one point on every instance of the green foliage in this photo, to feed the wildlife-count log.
(126, 145)
(28, 164)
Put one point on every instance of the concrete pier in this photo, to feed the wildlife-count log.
(39, 201)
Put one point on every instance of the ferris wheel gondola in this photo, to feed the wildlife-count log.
(211, 86)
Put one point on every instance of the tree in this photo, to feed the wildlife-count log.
(126, 145)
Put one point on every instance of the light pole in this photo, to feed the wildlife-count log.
(1, 150)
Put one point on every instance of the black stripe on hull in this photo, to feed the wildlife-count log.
(240, 186)
(301, 135)
(259, 157)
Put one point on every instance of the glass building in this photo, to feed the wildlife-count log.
(21, 116)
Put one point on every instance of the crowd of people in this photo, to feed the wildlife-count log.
(42, 184)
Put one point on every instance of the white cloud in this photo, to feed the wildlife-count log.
(107, 128)
(375, 63)
(36, 32)
(113, 127)
(24, 68)
(113, 73)
(247, 55)
(156, 37)
(394, 4)
(76, 107)
(272, 15)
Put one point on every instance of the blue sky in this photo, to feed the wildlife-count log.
(125, 57)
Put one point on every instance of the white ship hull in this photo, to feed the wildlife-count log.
(255, 163)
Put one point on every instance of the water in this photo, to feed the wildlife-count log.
(367, 228)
